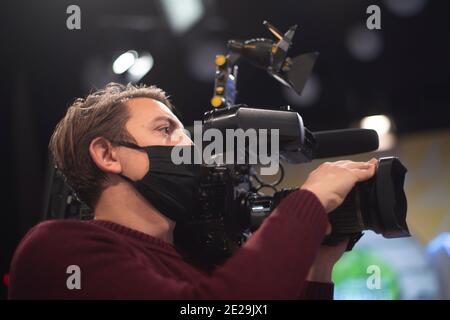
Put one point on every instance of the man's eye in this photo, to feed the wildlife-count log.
(165, 130)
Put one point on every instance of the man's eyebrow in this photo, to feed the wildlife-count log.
(164, 118)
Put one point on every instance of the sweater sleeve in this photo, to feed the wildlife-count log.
(273, 264)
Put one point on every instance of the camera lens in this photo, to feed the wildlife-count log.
(378, 204)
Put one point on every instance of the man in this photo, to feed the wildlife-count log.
(105, 146)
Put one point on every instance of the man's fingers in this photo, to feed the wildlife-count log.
(354, 165)
(362, 170)
(364, 174)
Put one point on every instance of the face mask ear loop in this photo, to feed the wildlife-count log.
(130, 145)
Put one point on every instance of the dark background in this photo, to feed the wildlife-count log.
(44, 66)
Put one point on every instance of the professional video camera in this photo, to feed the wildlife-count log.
(230, 195)
(233, 205)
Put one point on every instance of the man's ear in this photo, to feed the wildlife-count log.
(104, 155)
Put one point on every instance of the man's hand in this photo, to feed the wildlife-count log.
(332, 181)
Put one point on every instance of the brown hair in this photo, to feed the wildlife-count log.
(102, 114)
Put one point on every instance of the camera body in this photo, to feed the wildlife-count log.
(232, 208)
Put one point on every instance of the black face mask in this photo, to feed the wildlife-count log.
(171, 188)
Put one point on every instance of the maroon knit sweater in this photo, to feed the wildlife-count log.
(121, 263)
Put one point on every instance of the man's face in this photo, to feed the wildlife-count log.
(150, 123)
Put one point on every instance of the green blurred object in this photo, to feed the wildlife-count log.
(363, 275)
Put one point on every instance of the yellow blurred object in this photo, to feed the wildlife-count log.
(216, 101)
(220, 60)
(220, 90)
(274, 49)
